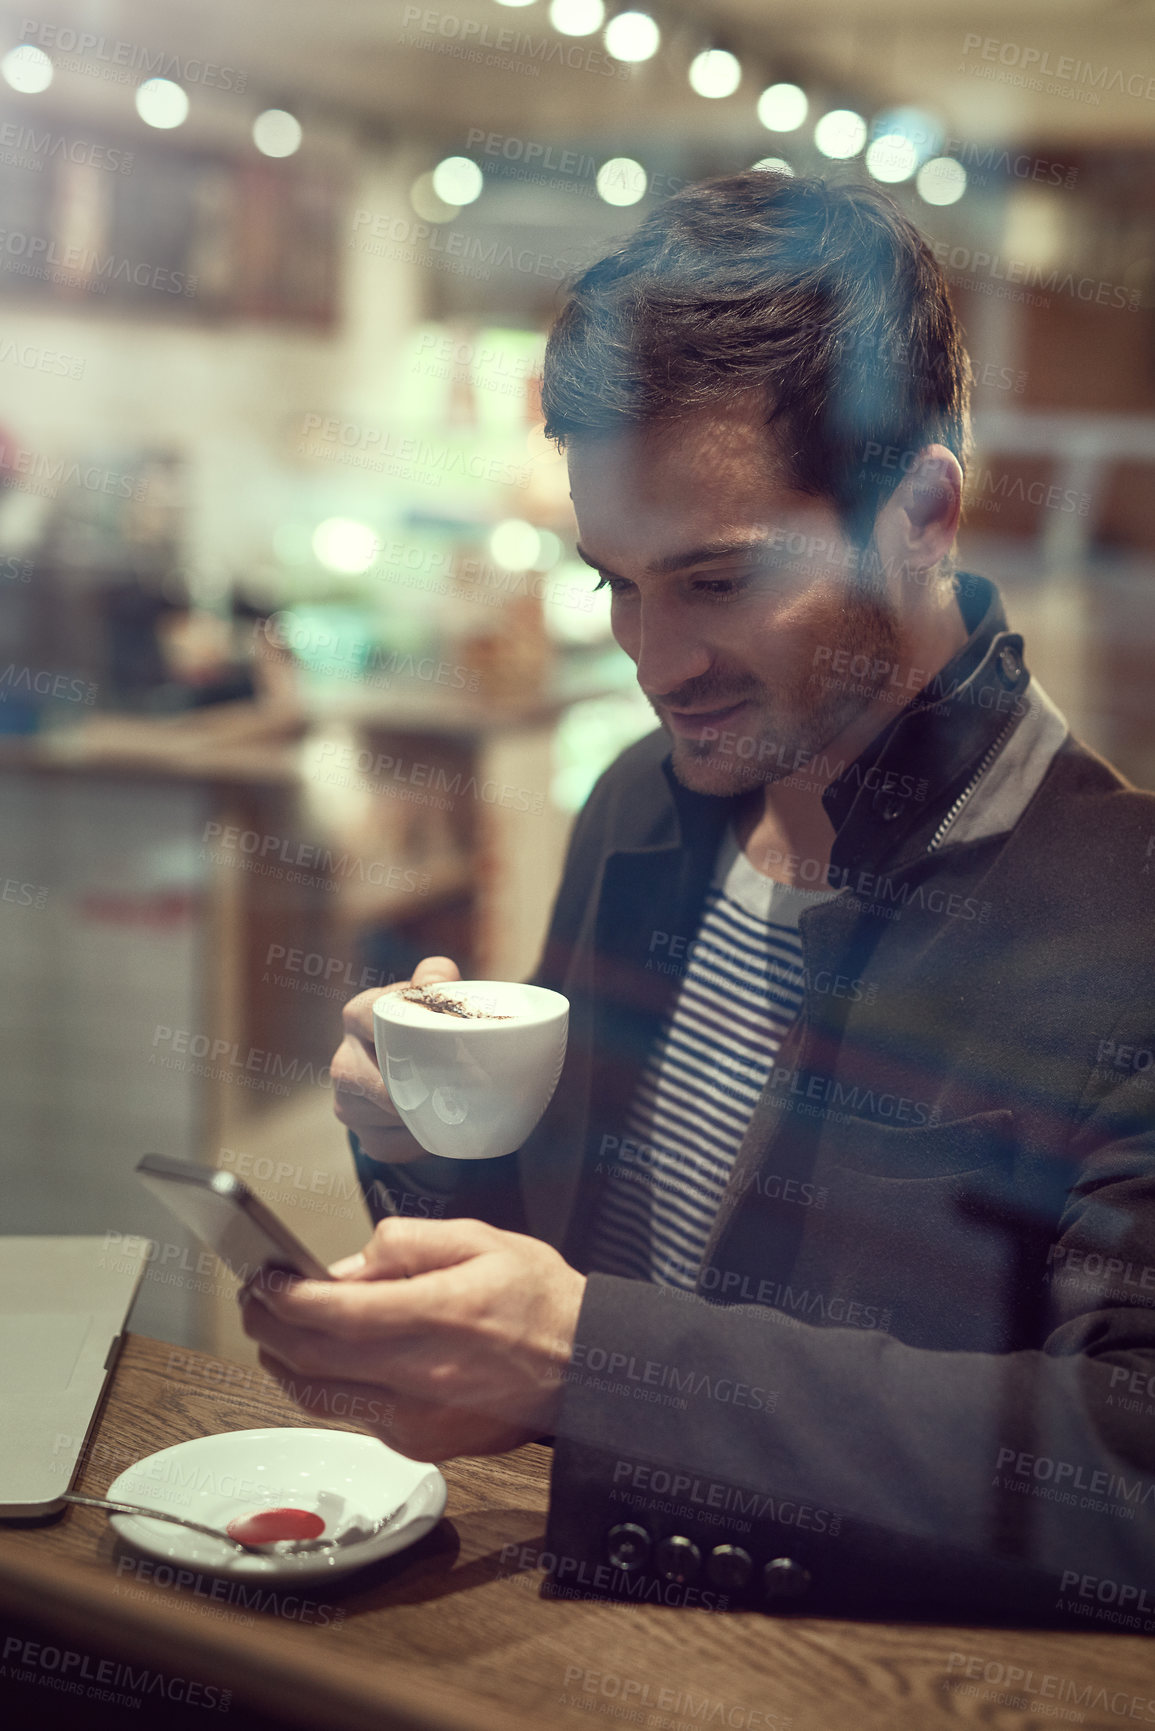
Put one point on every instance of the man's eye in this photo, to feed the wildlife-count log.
(762, 577)
(615, 585)
(726, 588)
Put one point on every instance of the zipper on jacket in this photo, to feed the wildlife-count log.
(988, 758)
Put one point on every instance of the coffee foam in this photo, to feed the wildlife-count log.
(480, 1002)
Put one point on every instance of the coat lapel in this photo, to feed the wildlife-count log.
(648, 910)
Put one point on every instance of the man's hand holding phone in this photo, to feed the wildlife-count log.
(460, 1332)
(451, 1336)
(361, 1099)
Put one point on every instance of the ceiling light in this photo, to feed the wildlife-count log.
(577, 17)
(715, 72)
(27, 69)
(891, 158)
(515, 545)
(942, 180)
(276, 132)
(344, 545)
(782, 107)
(919, 128)
(458, 180)
(161, 103)
(632, 36)
(621, 180)
(773, 165)
(840, 134)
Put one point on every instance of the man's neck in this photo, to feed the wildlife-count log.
(782, 827)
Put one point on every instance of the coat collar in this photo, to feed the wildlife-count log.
(890, 800)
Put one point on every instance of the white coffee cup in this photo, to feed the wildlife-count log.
(472, 1087)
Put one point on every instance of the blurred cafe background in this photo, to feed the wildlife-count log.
(300, 676)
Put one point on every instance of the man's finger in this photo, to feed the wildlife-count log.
(404, 1245)
(374, 1305)
(357, 1085)
(434, 968)
(347, 1265)
(358, 1012)
(386, 1358)
(362, 1402)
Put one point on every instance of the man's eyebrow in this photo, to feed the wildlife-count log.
(706, 554)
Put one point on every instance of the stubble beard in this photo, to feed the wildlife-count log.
(789, 730)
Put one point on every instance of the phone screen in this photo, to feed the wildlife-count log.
(226, 1216)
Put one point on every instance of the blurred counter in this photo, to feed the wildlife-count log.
(186, 903)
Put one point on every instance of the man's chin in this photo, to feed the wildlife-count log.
(714, 773)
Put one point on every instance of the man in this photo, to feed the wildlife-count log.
(830, 1267)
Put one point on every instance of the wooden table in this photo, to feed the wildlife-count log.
(460, 1632)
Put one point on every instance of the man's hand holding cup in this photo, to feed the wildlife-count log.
(463, 1069)
(361, 1099)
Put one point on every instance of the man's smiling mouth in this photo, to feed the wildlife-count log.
(695, 721)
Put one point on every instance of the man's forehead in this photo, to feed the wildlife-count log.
(736, 429)
(666, 504)
(682, 482)
(648, 497)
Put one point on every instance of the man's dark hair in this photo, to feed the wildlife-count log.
(823, 295)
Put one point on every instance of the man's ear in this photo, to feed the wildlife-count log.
(920, 519)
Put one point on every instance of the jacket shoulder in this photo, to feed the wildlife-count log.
(1083, 789)
(1087, 843)
(631, 800)
(629, 806)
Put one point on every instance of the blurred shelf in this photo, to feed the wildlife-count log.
(436, 712)
(367, 905)
(232, 742)
(258, 743)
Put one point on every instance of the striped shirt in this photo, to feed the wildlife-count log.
(741, 990)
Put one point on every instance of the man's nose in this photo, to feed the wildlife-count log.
(668, 652)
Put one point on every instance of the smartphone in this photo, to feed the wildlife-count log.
(226, 1215)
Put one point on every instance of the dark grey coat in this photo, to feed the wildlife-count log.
(919, 1372)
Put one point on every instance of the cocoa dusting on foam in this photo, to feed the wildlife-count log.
(450, 1006)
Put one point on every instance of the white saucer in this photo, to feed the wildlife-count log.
(348, 1478)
